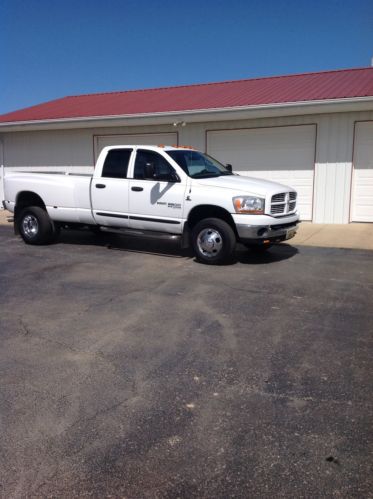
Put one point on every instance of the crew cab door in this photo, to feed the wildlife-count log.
(156, 203)
(109, 191)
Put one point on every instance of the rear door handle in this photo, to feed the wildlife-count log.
(100, 186)
(137, 189)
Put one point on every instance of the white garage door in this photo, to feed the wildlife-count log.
(282, 154)
(1, 174)
(141, 139)
(362, 179)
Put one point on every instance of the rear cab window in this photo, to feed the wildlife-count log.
(116, 163)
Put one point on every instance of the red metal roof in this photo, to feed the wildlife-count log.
(348, 83)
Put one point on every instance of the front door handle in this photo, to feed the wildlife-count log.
(137, 189)
(100, 186)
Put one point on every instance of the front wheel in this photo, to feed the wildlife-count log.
(35, 226)
(213, 241)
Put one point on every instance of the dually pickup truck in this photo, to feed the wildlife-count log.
(156, 191)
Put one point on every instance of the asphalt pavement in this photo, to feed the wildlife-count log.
(129, 370)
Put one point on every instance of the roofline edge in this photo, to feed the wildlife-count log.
(191, 112)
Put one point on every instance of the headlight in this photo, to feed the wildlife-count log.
(249, 204)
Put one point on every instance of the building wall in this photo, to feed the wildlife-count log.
(75, 149)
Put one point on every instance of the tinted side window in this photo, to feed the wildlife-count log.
(116, 163)
(162, 167)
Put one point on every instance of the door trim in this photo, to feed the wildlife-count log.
(160, 220)
(112, 215)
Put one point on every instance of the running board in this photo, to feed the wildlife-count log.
(142, 233)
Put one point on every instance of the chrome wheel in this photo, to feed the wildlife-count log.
(209, 242)
(35, 226)
(30, 226)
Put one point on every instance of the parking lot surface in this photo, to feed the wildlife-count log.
(129, 370)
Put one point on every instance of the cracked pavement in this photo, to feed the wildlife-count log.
(129, 370)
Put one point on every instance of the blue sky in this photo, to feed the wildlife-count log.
(53, 48)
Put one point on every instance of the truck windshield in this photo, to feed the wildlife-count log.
(198, 165)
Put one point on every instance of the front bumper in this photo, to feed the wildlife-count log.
(273, 230)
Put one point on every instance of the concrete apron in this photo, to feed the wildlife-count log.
(4, 216)
(354, 236)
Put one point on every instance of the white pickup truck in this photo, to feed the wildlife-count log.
(156, 191)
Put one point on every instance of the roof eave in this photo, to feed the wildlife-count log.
(199, 115)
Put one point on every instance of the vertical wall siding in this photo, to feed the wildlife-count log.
(74, 149)
(48, 148)
(333, 168)
(333, 156)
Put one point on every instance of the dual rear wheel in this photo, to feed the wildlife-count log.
(35, 226)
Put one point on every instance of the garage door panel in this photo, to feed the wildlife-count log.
(362, 183)
(102, 141)
(282, 154)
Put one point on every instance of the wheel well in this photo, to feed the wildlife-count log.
(200, 212)
(27, 198)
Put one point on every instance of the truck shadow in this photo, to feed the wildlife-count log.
(170, 249)
(276, 253)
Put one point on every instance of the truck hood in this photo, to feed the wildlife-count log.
(244, 184)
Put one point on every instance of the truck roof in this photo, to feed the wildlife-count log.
(148, 146)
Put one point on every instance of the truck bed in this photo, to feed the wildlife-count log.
(66, 195)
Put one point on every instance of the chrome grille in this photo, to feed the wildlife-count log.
(278, 198)
(283, 203)
(277, 209)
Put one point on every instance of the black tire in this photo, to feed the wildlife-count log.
(35, 226)
(213, 241)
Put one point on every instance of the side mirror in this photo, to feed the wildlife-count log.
(167, 177)
(149, 170)
(229, 167)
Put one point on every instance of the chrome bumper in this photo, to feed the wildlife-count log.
(257, 233)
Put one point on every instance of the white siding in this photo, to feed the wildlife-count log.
(333, 168)
(362, 180)
(48, 148)
(334, 144)
(74, 149)
(1, 173)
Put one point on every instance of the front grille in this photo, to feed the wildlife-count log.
(283, 203)
(278, 198)
(277, 209)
